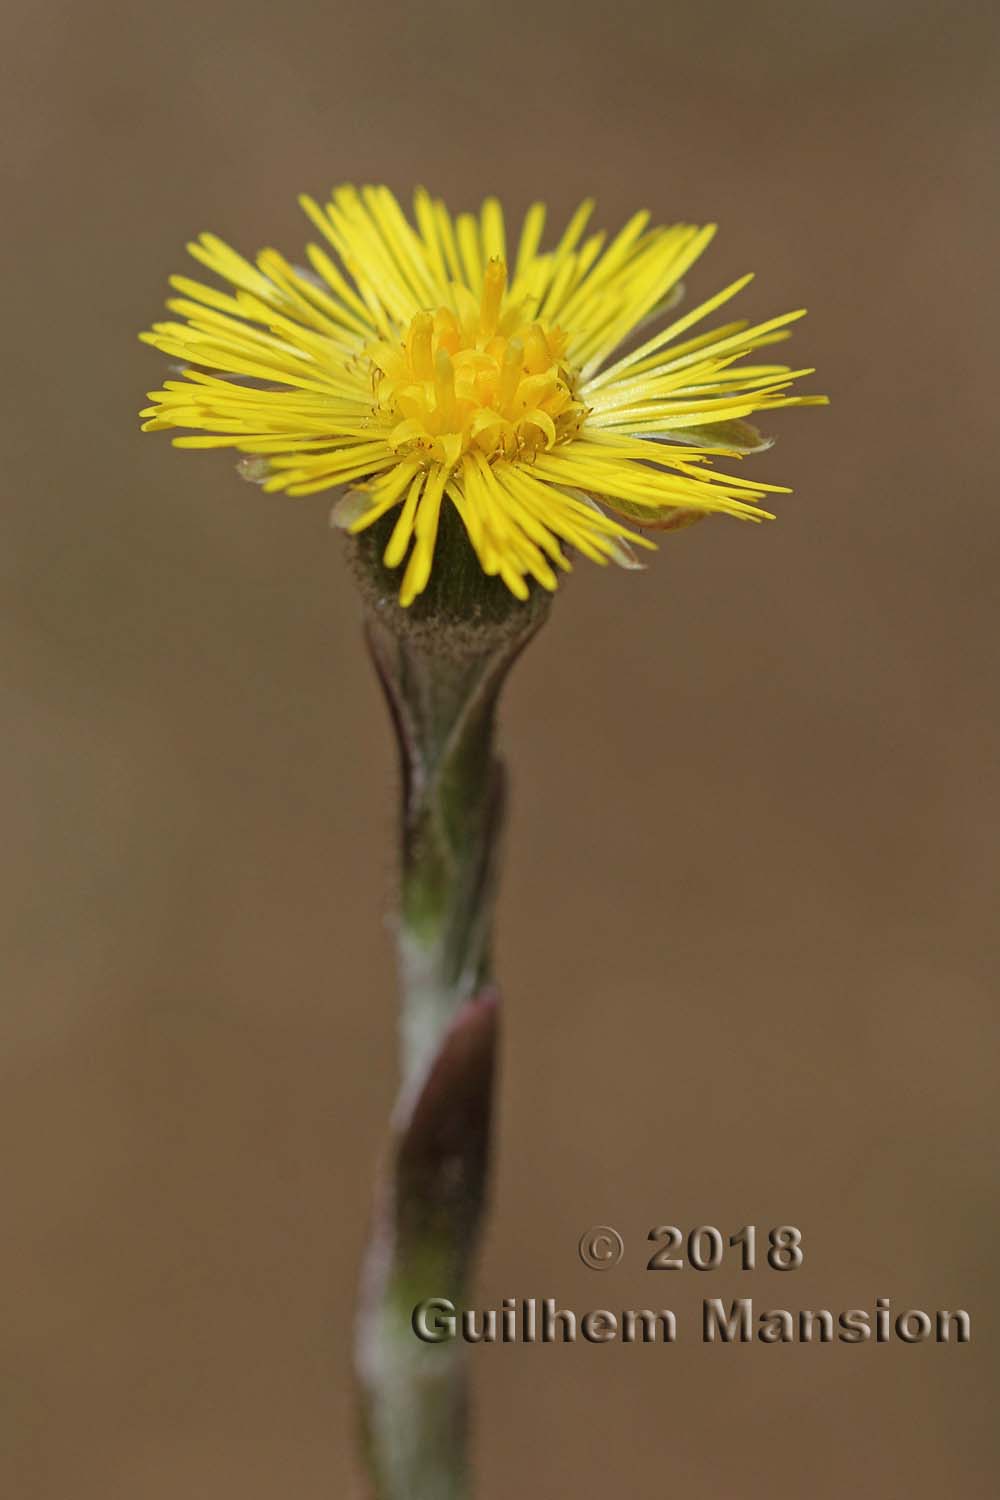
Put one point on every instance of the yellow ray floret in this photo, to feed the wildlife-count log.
(410, 365)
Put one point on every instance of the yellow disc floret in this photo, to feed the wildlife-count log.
(477, 376)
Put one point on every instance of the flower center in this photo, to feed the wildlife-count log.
(481, 377)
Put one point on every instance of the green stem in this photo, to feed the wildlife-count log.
(442, 691)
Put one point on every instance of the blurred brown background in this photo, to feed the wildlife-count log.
(747, 929)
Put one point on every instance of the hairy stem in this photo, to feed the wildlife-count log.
(442, 694)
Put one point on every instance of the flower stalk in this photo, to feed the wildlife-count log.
(442, 677)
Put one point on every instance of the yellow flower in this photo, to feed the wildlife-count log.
(417, 368)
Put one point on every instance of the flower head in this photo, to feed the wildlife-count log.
(420, 367)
